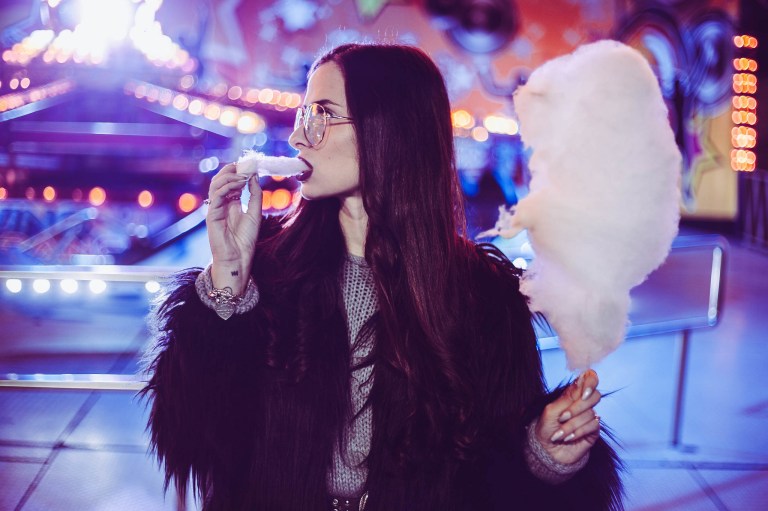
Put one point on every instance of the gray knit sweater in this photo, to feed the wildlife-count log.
(347, 475)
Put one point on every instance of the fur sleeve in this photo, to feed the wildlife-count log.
(203, 375)
(517, 395)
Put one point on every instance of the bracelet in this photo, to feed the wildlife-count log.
(223, 301)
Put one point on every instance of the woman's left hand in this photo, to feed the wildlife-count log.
(568, 427)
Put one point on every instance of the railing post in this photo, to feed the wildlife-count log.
(677, 419)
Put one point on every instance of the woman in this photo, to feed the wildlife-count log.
(373, 357)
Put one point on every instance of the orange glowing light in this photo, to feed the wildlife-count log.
(281, 198)
(294, 101)
(266, 199)
(235, 92)
(462, 119)
(97, 196)
(180, 102)
(265, 95)
(49, 193)
(252, 96)
(229, 117)
(738, 41)
(248, 123)
(187, 202)
(196, 107)
(3, 193)
(145, 199)
(480, 134)
(212, 111)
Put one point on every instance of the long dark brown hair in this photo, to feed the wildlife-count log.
(415, 242)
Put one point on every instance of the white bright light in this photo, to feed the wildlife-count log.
(13, 285)
(521, 263)
(152, 286)
(69, 286)
(103, 22)
(97, 286)
(41, 285)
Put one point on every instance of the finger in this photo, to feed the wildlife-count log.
(229, 168)
(588, 383)
(222, 195)
(579, 406)
(569, 430)
(255, 201)
(222, 179)
(583, 385)
(591, 427)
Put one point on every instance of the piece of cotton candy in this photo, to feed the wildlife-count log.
(603, 206)
(253, 162)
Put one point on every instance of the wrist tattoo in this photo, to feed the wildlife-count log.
(235, 273)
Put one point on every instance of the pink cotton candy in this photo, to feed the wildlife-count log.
(603, 206)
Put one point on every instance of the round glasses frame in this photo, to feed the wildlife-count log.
(313, 118)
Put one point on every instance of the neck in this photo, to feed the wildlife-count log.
(354, 224)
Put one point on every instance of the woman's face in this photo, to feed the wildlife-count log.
(334, 163)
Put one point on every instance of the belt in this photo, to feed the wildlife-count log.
(348, 503)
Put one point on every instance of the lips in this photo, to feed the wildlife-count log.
(304, 175)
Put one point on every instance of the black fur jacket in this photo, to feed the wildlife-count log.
(248, 438)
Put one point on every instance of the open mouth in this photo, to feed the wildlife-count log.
(304, 175)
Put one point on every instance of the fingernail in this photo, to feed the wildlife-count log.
(586, 394)
(564, 416)
(557, 436)
(569, 437)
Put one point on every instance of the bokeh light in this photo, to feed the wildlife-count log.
(188, 202)
(97, 196)
(145, 198)
(49, 194)
(97, 286)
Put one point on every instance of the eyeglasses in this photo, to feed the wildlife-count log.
(314, 118)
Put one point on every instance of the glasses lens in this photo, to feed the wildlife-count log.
(299, 118)
(315, 127)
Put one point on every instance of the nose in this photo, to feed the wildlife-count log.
(297, 138)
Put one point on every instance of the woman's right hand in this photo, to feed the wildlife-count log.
(232, 233)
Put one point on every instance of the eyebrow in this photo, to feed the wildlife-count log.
(327, 102)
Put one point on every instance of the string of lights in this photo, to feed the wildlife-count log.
(744, 103)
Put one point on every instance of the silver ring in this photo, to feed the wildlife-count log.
(207, 202)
